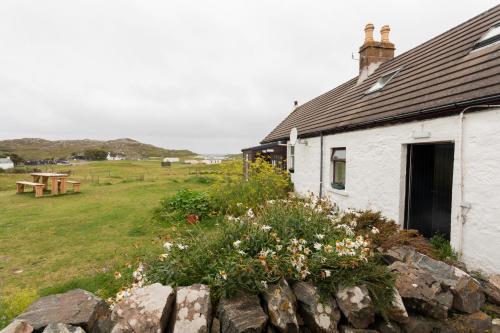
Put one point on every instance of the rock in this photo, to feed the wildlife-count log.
(281, 306)
(467, 292)
(347, 329)
(215, 326)
(388, 327)
(478, 322)
(421, 292)
(146, 310)
(491, 288)
(424, 325)
(18, 326)
(76, 307)
(62, 328)
(241, 314)
(193, 309)
(468, 296)
(495, 325)
(356, 305)
(319, 315)
(397, 310)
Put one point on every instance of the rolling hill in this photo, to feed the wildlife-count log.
(33, 148)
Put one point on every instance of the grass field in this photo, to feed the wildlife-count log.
(52, 244)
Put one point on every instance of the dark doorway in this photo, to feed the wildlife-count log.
(428, 188)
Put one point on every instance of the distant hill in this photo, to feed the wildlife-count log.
(34, 149)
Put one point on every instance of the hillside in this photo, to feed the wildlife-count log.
(32, 148)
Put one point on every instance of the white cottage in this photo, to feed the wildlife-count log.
(6, 163)
(416, 136)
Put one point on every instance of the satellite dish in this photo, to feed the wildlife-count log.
(293, 136)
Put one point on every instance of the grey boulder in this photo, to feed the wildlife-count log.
(347, 329)
(356, 305)
(76, 307)
(62, 328)
(146, 310)
(18, 326)
(241, 314)
(397, 310)
(282, 307)
(193, 310)
(421, 292)
(319, 315)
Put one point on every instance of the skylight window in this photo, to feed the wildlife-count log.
(490, 37)
(382, 82)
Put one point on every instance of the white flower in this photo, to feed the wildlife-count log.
(168, 245)
(239, 204)
(250, 213)
(307, 250)
(265, 227)
(328, 273)
(270, 202)
(319, 236)
(279, 247)
(182, 247)
(375, 231)
(242, 252)
(317, 246)
(237, 243)
(264, 284)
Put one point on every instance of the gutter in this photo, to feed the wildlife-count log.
(321, 168)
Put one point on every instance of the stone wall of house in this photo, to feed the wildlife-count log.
(376, 172)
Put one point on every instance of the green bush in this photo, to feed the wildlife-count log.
(183, 203)
(234, 195)
(298, 240)
(442, 248)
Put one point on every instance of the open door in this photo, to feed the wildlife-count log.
(429, 188)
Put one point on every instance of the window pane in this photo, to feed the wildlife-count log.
(339, 172)
(495, 31)
(339, 154)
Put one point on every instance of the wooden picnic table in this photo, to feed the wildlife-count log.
(54, 178)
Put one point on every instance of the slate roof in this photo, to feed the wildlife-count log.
(437, 78)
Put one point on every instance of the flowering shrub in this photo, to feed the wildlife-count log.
(300, 240)
(235, 195)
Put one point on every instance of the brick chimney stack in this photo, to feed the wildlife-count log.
(373, 53)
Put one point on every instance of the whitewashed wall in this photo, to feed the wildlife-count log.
(376, 171)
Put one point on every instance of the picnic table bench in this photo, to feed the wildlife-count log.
(75, 183)
(37, 187)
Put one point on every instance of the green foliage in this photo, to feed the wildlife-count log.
(234, 194)
(14, 303)
(95, 154)
(292, 239)
(442, 248)
(184, 202)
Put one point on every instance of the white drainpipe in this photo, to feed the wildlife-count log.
(464, 206)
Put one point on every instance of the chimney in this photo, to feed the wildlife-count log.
(295, 104)
(373, 53)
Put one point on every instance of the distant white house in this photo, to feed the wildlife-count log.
(192, 161)
(211, 161)
(115, 157)
(6, 163)
(171, 159)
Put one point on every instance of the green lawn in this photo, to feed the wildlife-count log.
(52, 244)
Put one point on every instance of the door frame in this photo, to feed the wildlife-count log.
(406, 166)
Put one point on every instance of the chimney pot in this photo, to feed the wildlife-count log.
(295, 103)
(384, 33)
(369, 32)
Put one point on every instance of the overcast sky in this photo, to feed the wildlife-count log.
(212, 76)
